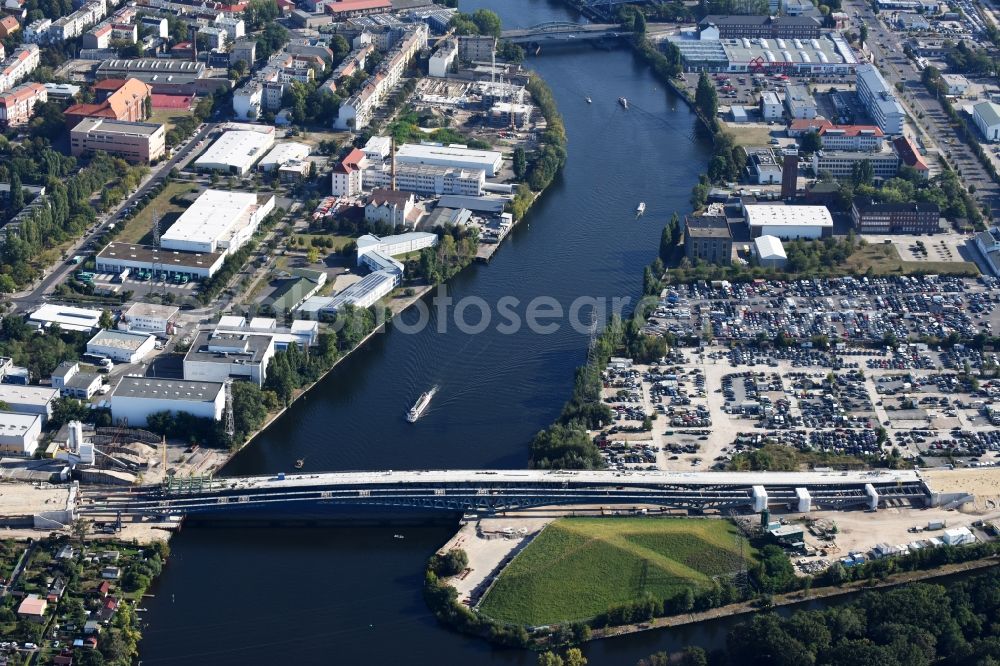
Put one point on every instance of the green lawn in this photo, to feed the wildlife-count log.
(580, 567)
(140, 228)
(884, 259)
(169, 117)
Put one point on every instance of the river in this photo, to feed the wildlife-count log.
(352, 595)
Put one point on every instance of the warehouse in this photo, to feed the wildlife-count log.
(19, 433)
(826, 54)
(235, 152)
(786, 222)
(158, 262)
(450, 156)
(121, 346)
(215, 357)
(282, 154)
(66, 316)
(217, 222)
(987, 118)
(28, 399)
(135, 398)
(769, 252)
(149, 317)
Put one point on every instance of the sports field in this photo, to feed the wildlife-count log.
(580, 567)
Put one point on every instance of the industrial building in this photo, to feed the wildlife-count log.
(426, 179)
(459, 157)
(799, 103)
(215, 357)
(149, 317)
(135, 398)
(135, 142)
(121, 346)
(370, 245)
(988, 243)
(870, 217)
(282, 154)
(708, 238)
(788, 222)
(19, 433)
(826, 54)
(217, 221)
(159, 263)
(840, 163)
(35, 400)
(986, 115)
(72, 383)
(236, 151)
(956, 84)
(763, 166)
(879, 100)
(68, 318)
(769, 251)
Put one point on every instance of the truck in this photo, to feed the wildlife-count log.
(123, 275)
(937, 524)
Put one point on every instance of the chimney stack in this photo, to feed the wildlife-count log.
(392, 167)
(790, 175)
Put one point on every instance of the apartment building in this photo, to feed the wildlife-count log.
(17, 103)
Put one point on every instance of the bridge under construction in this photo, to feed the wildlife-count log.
(490, 491)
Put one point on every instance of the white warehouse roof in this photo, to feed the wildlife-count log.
(67, 317)
(213, 217)
(766, 215)
(414, 153)
(769, 247)
(235, 151)
(283, 153)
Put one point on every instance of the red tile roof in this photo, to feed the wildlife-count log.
(909, 154)
(852, 130)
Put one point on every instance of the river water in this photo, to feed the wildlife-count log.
(352, 595)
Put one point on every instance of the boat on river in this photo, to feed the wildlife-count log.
(623, 102)
(640, 209)
(420, 406)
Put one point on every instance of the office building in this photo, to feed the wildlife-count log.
(217, 222)
(788, 222)
(840, 164)
(858, 138)
(450, 156)
(768, 27)
(986, 115)
(121, 346)
(870, 217)
(770, 106)
(135, 142)
(426, 179)
(17, 104)
(799, 103)
(956, 84)
(35, 400)
(476, 48)
(708, 238)
(19, 435)
(879, 100)
(158, 263)
(149, 318)
(215, 357)
(135, 398)
(72, 383)
(763, 166)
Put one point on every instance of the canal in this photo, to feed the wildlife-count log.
(353, 595)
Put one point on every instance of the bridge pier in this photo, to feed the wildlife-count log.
(759, 499)
(804, 499)
(873, 496)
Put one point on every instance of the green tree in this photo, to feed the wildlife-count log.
(706, 99)
(106, 320)
(16, 193)
(862, 173)
(811, 142)
(574, 657)
(550, 659)
(520, 163)
(487, 22)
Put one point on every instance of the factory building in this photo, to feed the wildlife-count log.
(73, 383)
(121, 346)
(135, 398)
(19, 433)
(763, 166)
(708, 238)
(217, 222)
(33, 400)
(788, 222)
(67, 317)
(769, 27)
(426, 179)
(282, 154)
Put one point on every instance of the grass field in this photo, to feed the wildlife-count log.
(580, 567)
(140, 228)
(169, 117)
(884, 259)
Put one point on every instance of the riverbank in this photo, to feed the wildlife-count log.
(796, 598)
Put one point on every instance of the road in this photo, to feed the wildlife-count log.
(925, 109)
(55, 274)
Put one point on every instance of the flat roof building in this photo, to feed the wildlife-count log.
(217, 222)
(787, 222)
(135, 398)
(73, 383)
(282, 154)
(453, 156)
(840, 163)
(28, 399)
(135, 142)
(158, 262)
(19, 433)
(67, 317)
(870, 217)
(236, 151)
(150, 317)
(880, 100)
(215, 357)
(799, 103)
(121, 346)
